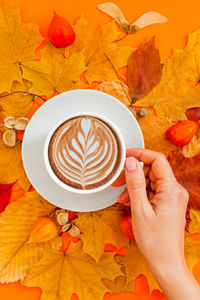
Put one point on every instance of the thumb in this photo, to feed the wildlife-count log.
(136, 185)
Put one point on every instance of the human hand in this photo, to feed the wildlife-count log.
(158, 208)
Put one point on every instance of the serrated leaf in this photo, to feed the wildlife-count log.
(97, 43)
(136, 264)
(101, 227)
(15, 224)
(187, 173)
(119, 285)
(17, 105)
(53, 72)
(5, 193)
(153, 129)
(60, 275)
(116, 89)
(18, 44)
(144, 70)
(11, 167)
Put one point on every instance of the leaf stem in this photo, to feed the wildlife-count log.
(117, 76)
(24, 92)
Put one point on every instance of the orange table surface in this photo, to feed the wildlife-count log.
(183, 17)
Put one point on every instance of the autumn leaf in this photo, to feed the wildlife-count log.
(194, 224)
(53, 72)
(116, 89)
(136, 264)
(193, 114)
(153, 129)
(192, 252)
(5, 193)
(18, 44)
(178, 89)
(99, 47)
(19, 104)
(192, 149)
(119, 285)
(101, 227)
(16, 256)
(187, 172)
(11, 168)
(60, 275)
(144, 70)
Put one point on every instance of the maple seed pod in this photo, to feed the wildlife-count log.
(21, 123)
(9, 122)
(43, 230)
(74, 231)
(66, 227)
(10, 137)
(62, 218)
(142, 112)
(60, 211)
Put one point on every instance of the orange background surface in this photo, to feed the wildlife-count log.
(183, 17)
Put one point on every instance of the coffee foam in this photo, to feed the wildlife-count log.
(84, 152)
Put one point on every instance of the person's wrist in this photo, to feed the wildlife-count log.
(170, 267)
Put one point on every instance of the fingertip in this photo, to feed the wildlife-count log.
(131, 164)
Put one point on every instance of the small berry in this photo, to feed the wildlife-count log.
(142, 112)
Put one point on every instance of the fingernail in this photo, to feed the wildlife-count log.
(131, 164)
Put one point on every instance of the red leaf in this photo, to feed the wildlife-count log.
(126, 227)
(144, 70)
(61, 33)
(5, 193)
(187, 172)
(182, 133)
(193, 114)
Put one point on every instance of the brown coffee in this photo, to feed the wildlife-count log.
(84, 152)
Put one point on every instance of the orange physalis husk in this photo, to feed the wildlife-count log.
(61, 33)
(182, 133)
(126, 227)
(43, 230)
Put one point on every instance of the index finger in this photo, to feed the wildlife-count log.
(160, 165)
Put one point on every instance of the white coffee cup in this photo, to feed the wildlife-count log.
(99, 188)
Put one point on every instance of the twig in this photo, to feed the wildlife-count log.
(117, 76)
(2, 96)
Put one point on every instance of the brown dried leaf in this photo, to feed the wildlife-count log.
(10, 137)
(187, 172)
(21, 123)
(115, 12)
(116, 89)
(144, 70)
(149, 18)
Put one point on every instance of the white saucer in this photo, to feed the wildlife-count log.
(42, 122)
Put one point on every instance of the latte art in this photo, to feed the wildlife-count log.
(84, 152)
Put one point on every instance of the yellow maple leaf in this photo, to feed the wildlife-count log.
(153, 129)
(179, 88)
(119, 285)
(18, 44)
(99, 47)
(17, 105)
(194, 225)
(53, 72)
(193, 148)
(101, 227)
(60, 275)
(11, 167)
(192, 252)
(136, 264)
(16, 256)
(116, 89)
